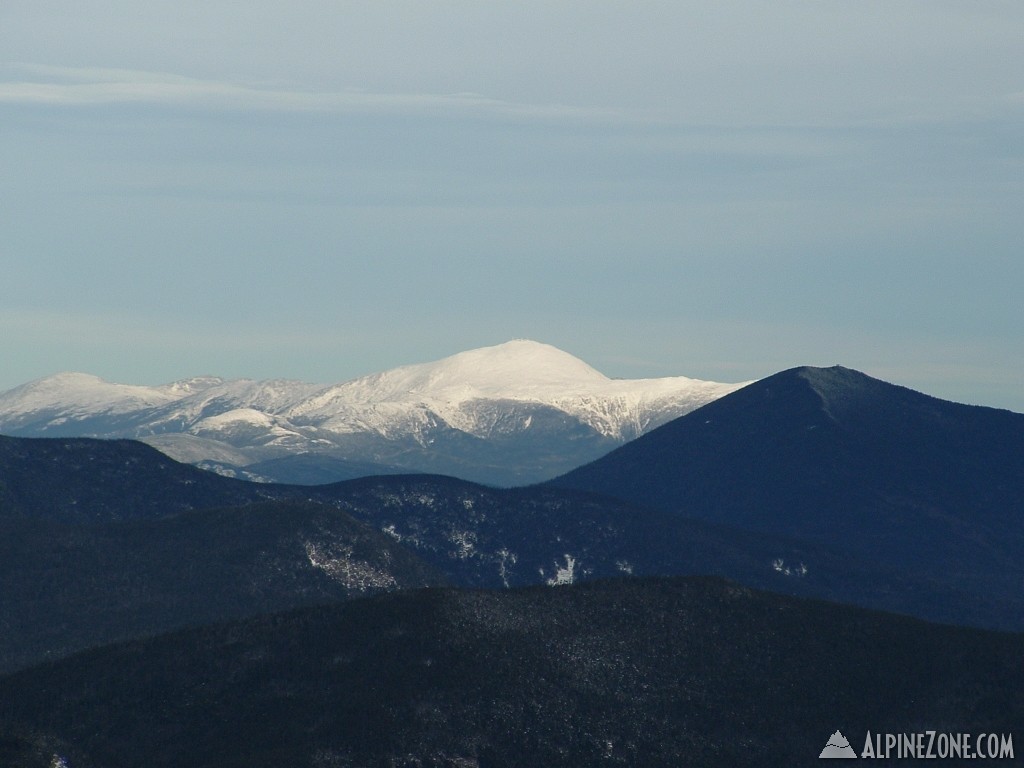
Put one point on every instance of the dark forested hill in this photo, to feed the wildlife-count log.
(101, 540)
(83, 480)
(69, 587)
(664, 672)
(835, 457)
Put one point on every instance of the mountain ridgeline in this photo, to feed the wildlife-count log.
(835, 457)
(86, 480)
(511, 414)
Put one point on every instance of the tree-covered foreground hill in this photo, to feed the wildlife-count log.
(640, 672)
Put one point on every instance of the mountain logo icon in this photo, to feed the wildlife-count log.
(837, 746)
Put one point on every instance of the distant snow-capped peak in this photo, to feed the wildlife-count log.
(83, 393)
(522, 371)
(515, 370)
(464, 391)
(518, 368)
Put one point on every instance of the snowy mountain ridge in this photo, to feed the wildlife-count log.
(519, 371)
(517, 391)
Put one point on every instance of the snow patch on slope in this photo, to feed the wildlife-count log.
(338, 562)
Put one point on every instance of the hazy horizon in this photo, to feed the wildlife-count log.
(321, 191)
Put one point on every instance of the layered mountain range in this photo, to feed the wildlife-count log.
(815, 482)
(511, 414)
(103, 540)
(502, 649)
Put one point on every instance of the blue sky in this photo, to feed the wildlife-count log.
(319, 190)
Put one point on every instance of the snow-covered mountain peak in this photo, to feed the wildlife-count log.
(66, 381)
(516, 368)
(455, 388)
(530, 400)
(70, 391)
(526, 362)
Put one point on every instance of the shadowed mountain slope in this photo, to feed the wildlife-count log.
(68, 587)
(83, 480)
(835, 457)
(652, 673)
(486, 537)
(106, 525)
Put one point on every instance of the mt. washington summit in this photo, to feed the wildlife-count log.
(515, 413)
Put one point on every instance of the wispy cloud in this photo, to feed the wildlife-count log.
(84, 86)
(38, 84)
(113, 329)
